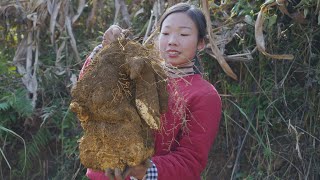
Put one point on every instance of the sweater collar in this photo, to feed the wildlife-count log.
(181, 70)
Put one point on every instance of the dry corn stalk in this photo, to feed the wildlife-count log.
(259, 32)
(217, 53)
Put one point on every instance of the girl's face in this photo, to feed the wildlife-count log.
(178, 40)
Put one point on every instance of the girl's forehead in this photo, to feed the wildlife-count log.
(178, 15)
(178, 19)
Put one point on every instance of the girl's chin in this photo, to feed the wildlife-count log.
(175, 62)
(172, 63)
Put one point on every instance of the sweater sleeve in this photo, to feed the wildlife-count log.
(189, 159)
(88, 60)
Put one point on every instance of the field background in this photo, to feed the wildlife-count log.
(268, 77)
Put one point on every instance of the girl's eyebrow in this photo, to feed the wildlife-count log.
(180, 27)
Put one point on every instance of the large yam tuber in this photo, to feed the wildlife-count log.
(119, 101)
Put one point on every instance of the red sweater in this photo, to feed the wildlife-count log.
(187, 131)
(189, 128)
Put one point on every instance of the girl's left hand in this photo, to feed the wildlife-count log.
(138, 172)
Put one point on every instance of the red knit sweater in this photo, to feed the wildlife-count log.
(188, 129)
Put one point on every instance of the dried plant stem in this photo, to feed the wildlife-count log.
(215, 50)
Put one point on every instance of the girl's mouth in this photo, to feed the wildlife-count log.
(173, 54)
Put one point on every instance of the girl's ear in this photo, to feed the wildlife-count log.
(201, 44)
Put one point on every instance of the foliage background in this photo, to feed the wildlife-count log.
(270, 127)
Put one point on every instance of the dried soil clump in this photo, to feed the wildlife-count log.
(119, 101)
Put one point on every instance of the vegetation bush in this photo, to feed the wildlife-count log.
(270, 127)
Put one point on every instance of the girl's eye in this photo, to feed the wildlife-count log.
(165, 33)
(184, 34)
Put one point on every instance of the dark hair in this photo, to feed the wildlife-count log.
(193, 12)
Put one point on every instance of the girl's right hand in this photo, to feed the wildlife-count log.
(112, 34)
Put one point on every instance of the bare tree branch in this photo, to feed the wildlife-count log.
(53, 9)
(72, 39)
(81, 6)
(92, 16)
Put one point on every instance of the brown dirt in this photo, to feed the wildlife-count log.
(118, 101)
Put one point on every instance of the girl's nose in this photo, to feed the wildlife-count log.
(173, 40)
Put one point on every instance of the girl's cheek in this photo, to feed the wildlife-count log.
(162, 46)
(161, 42)
(162, 51)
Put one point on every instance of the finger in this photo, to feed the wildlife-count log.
(109, 30)
(109, 173)
(118, 174)
(125, 32)
(113, 32)
(148, 163)
(116, 32)
(108, 37)
(126, 172)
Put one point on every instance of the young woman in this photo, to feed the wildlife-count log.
(191, 123)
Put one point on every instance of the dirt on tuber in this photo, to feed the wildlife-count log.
(119, 101)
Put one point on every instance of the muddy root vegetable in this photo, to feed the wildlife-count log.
(119, 101)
